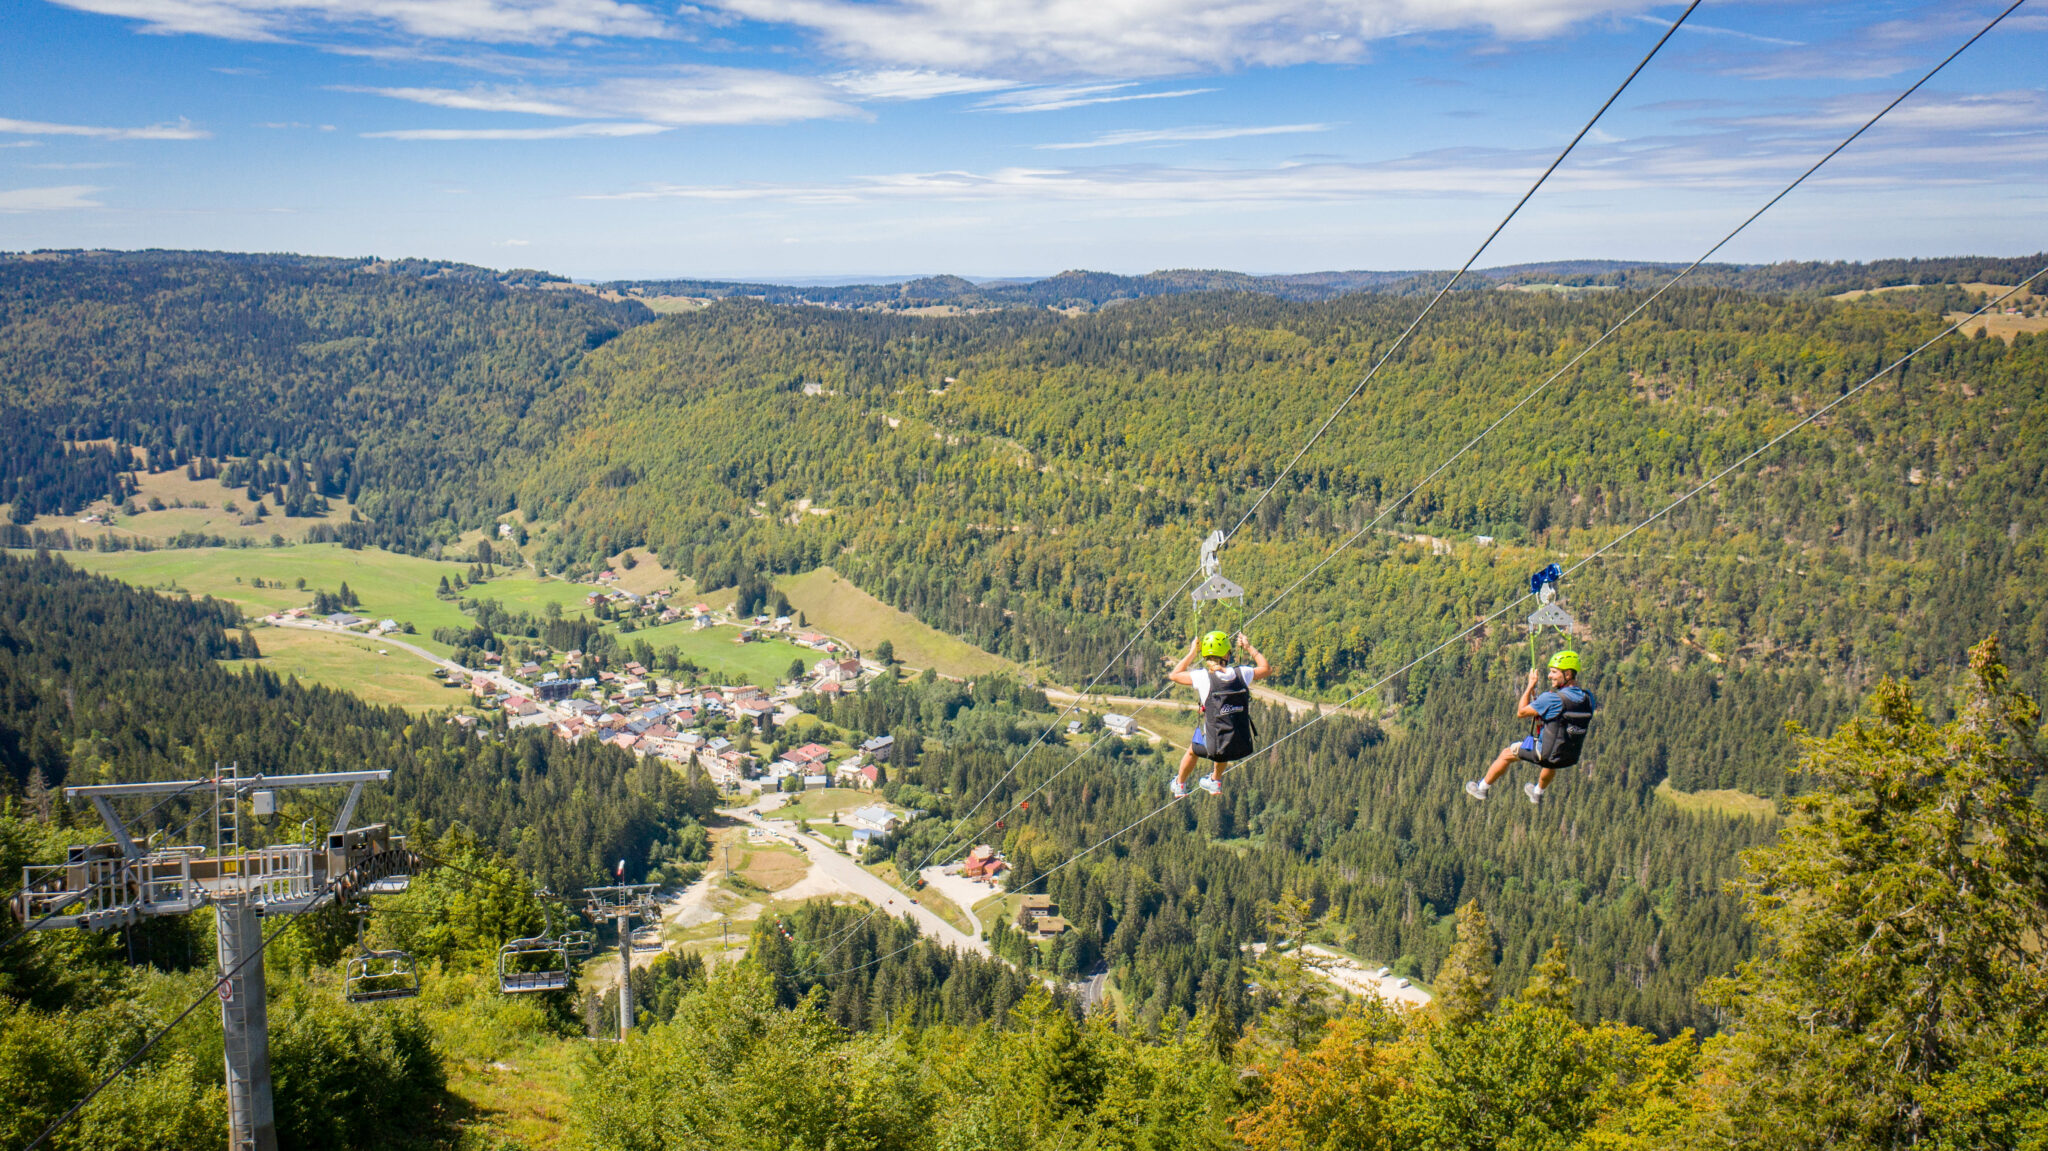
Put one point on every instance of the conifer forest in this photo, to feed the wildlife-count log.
(1795, 895)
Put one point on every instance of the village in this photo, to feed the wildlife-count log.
(788, 780)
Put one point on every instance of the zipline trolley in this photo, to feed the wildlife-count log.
(1543, 585)
(1214, 586)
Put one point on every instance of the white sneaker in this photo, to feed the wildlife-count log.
(1534, 793)
(1476, 789)
(1179, 789)
(1208, 783)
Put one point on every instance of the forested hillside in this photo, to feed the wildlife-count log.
(401, 379)
(1046, 502)
(1039, 483)
(100, 682)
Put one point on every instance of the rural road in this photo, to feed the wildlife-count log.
(498, 678)
(841, 869)
(1293, 705)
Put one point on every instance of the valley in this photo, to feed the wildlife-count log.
(588, 616)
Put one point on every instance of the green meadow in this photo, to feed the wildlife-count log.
(390, 585)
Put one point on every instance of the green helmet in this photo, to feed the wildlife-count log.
(1565, 661)
(1215, 644)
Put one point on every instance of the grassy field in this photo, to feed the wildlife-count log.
(996, 908)
(819, 805)
(351, 663)
(764, 662)
(390, 585)
(833, 605)
(213, 519)
(1733, 804)
(647, 575)
(763, 867)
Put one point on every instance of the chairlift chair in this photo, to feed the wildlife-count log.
(373, 976)
(539, 963)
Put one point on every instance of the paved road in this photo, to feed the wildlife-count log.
(499, 679)
(841, 869)
(1294, 706)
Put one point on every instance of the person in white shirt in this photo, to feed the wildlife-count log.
(1225, 731)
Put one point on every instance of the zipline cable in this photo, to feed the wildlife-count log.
(1551, 379)
(1330, 419)
(1596, 554)
(1402, 339)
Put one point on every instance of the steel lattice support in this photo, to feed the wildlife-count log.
(245, 1024)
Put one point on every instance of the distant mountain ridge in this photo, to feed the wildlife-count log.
(1089, 290)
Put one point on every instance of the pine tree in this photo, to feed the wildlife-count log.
(38, 794)
(1901, 916)
(1551, 981)
(1464, 987)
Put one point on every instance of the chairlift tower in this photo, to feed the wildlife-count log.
(102, 886)
(622, 903)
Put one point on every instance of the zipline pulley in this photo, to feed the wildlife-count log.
(1543, 585)
(1214, 585)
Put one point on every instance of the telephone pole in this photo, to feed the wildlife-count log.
(103, 886)
(622, 903)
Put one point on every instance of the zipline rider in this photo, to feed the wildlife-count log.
(1225, 731)
(1564, 714)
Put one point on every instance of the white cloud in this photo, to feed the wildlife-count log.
(914, 84)
(1711, 30)
(1732, 165)
(490, 21)
(565, 132)
(1178, 135)
(1146, 37)
(58, 199)
(2024, 109)
(182, 130)
(691, 96)
(1077, 96)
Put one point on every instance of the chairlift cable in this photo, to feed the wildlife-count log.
(212, 990)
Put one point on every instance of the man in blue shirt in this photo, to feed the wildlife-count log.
(1563, 715)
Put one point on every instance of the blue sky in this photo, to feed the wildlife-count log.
(766, 138)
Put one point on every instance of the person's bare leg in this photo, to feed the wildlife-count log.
(1217, 774)
(1187, 766)
(1544, 777)
(1500, 764)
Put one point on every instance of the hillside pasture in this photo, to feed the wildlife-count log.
(764, 662)
(389, 584)
(351, 663)
(831, 604)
